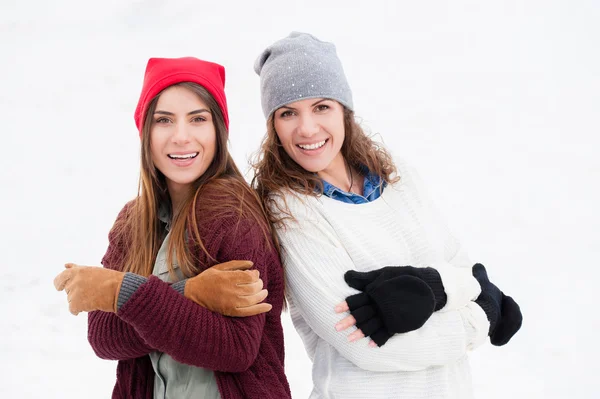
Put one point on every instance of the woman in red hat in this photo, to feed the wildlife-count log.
(180, 299)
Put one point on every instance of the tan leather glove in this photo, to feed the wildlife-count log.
(90, 288)
(229, 289)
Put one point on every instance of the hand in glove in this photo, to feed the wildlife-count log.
(89, 288)
(395, 299)
(229, 289)
(501, 310)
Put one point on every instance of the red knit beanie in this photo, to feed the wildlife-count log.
(164, 72)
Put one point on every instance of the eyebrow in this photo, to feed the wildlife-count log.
(320, 101)
(312, 105)
(197, 111)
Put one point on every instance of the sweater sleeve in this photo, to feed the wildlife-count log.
(203, 338)
(455, 271)
(109, 336)
(315, 262)
(113, 339)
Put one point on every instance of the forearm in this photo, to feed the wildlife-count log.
(132, 282)
(316, 285)
(110, 336)
(460, 286)
(113, 339)
(190, 333)
(445, 337)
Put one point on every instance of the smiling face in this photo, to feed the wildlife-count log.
(182, 137)
(311, 132)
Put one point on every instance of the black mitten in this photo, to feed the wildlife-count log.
(395, 299)
(501, 310)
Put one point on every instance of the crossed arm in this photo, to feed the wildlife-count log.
(316, 285)
(156, 313)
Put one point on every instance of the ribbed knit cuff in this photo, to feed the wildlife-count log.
(490, 308)
(459, 284)
(180, 286)
(434, 280)
(131, 283)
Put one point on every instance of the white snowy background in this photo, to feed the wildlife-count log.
(495, 103)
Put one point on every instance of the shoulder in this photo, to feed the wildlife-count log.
(226, 201)
(295, 208)
(404, 169)
(407, 174)
(228, 213)
(410, 188)
(119, 237)
(124, 216)
(126, 212)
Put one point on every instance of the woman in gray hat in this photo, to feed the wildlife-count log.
(386, 300)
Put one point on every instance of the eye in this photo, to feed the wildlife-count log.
(322, 107)
(162, 120)
(198, 119)
(286, 114)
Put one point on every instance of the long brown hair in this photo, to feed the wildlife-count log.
(275, 171)
(220, 192)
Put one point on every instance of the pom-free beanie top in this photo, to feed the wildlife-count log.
(164, 72)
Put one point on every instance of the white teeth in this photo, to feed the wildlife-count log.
(184, 156)
(312, 146)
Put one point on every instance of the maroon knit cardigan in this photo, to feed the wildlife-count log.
(247, 354)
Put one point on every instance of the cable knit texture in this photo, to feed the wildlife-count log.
(247, 354)
(400, 228)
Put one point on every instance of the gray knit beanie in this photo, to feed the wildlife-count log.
(297, 67)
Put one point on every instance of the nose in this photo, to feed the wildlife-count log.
(181, 135)
(307, 126)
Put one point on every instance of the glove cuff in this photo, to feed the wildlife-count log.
(180, 286)
(131, 282)
(434, 280)
(490, 308)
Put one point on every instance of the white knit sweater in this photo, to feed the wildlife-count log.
(400, 228)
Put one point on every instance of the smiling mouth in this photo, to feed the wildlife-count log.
(191, 155)
(314, 146)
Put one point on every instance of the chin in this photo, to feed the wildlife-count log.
(184, 180)
(314, 167)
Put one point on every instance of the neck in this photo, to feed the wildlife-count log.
(340, 174)
(177, 192)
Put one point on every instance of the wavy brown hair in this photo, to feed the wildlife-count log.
(220, 192)
(276, 172)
